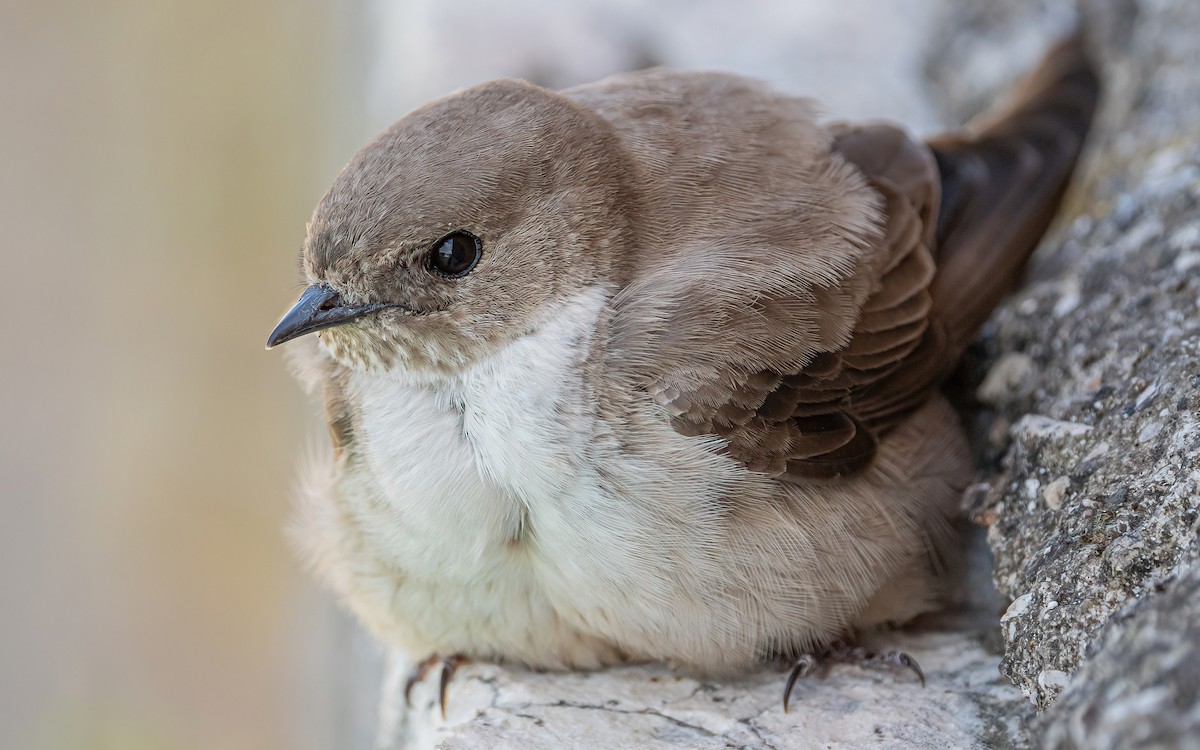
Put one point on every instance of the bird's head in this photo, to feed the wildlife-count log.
(456, 230)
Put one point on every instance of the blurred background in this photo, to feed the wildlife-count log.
(158, 161)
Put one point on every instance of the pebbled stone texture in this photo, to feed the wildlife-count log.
(1093, 372)
(1140, 688)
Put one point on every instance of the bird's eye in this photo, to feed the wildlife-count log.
(455, 255)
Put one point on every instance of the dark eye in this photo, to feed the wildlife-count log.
(455, 255)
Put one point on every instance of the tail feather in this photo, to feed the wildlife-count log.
(1002, 179)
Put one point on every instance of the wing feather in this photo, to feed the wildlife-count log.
(829, 342)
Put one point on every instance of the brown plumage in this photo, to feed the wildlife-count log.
(960, 216)
(648, 369)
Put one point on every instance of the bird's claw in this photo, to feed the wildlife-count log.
(806, 664)
(898, 660)
(450, 665)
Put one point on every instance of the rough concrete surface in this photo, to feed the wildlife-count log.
(1095, 364)
(966, 705)
(1140, 688)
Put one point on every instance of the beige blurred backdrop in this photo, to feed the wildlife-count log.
(158, 160)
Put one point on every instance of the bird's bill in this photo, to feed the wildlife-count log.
(319, 307)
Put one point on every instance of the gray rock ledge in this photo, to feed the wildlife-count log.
(1094, 378)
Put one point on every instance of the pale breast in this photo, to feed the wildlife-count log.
(439, 494)
(496, 514)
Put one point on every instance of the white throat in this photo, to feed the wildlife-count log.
(480, 445)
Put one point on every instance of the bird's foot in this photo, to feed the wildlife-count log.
(843, 654)
(450, 665)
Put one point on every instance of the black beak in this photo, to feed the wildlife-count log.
(319, 307)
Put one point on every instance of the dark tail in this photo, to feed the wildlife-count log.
(1003, 177)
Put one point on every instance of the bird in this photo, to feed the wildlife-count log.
(651, 369)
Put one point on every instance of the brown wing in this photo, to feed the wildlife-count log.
(975, 205)
(824, 418)
(1003, 178)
